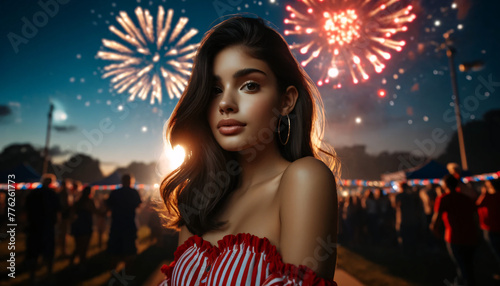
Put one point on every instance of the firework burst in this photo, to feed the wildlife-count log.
(149, 61)
(348, 38)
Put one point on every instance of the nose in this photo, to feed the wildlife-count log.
(227, 103)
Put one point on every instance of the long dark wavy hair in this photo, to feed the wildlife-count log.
(195, 192)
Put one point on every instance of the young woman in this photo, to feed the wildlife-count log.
(255, 198)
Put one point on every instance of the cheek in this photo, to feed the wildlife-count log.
(212, 113)
(261, 112)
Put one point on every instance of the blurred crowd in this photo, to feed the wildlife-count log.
(420, 218)
(60, 219)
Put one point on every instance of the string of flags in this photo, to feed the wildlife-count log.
(28, 186)
(419, 182)
(344, 183)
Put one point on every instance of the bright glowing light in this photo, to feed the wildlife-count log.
(144, 129)
(175, 156)
(381, 93)
(333, 72)
(341, 27)
(437, 23)
(460, 26)
(453, 5)
(336, 36)
(60, 115)
(149, 58)
(358, 120)
(156, 186)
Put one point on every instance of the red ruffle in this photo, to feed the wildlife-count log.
(255, 243)
(287, 272)
(279, 269)
(193, 240)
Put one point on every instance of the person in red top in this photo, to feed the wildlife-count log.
(458, 214)
(488, 209)
(465, 189)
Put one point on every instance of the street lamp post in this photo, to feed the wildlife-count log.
(450, 52)
(47, 139)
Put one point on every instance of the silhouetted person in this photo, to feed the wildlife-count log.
(371, 209)
(456, 172)
(64, 195)
(385, 223)
(488, 205)
(123, 232)
(428, 198)
(74, 193)
(42, 207)
(458, 214)
(81, 228)
(101, 217)
(407, 205)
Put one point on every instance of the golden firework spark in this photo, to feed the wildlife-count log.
(149, 60)
(347, 37)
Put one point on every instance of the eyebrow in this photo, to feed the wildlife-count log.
(244, 72)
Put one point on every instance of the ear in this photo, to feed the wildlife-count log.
(288, 100)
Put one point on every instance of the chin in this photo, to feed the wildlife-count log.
(232, 146)
(233, 143)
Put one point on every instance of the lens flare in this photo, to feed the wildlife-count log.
(148, 60)
(347, 38)
(175, 156)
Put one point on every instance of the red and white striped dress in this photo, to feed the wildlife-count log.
(242, 259)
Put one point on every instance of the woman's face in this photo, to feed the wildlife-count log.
(245, 89)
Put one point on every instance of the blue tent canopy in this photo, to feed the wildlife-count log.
(114, 179)
(23, 174)
(428, 170)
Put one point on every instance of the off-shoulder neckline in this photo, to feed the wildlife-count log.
(256, 244)
(230, 235)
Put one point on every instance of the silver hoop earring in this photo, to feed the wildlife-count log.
(279, 128)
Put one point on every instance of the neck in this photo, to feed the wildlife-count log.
(260, 163)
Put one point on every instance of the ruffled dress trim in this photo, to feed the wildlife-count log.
(281, 273)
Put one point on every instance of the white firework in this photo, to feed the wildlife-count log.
(149, 60)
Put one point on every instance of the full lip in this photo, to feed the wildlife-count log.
(229, 122)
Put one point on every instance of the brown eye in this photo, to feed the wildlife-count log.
(216, 90)
(251, 86)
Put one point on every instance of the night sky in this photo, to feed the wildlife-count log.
(58, 63)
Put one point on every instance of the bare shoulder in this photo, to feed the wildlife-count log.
(304, 174)
(184, 234)
(307, 182)
(308, 214)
